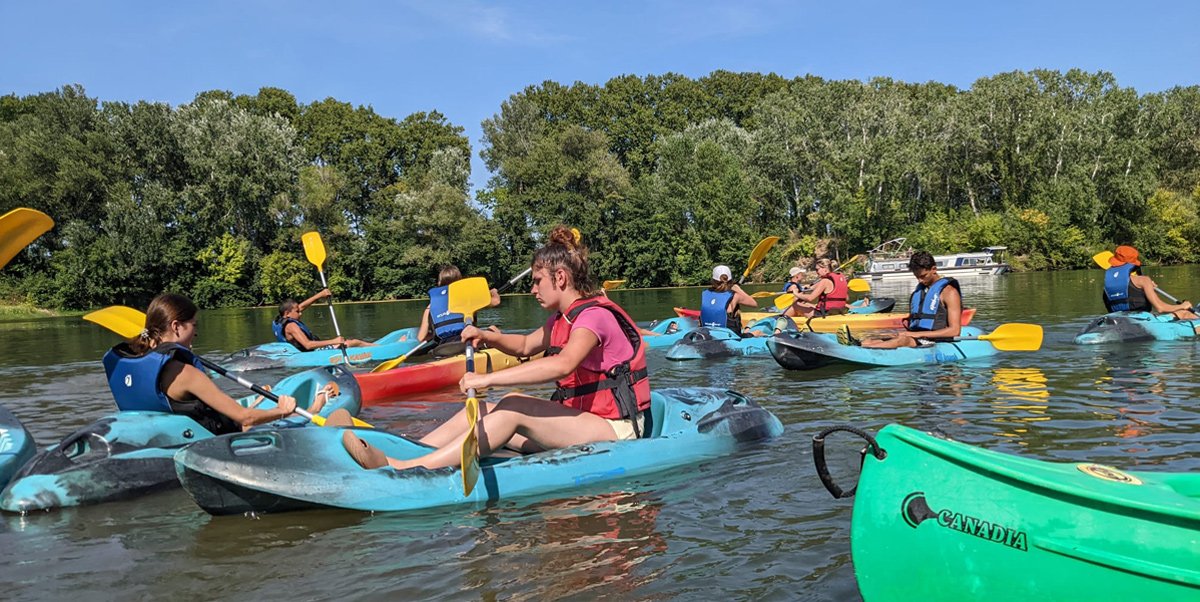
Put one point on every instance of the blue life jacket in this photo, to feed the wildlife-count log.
(713, 309)
(925, 311)
(133, 379)
(279, 325)
(446, 325)
(1119, 292)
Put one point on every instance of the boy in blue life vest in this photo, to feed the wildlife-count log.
(935, 309)
(1126, 289)
(289, 329)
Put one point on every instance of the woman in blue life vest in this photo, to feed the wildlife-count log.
(935, 311)
(437, 323)
(158, 372)
(1126, 289)
(593, 353)
(721, 302)
(289, 329)
(827, 296)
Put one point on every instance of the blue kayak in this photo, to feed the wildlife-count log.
(277, 471)
(16, 445)
(669, 331)
(808, 350)
(714, 343)
(128, 454)
(1134, 326)
(285, 355)
(880, 305)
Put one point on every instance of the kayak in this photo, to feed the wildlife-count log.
(285, 355)
(940, 520)
(129, 454)
(16, 445)
(873, 306)
(808, 350)
(714, 343)
(277, 471)
(378, 387)
(1134, 326)
(669, 331)
(857, 322)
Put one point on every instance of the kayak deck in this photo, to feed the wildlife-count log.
(1132, 327)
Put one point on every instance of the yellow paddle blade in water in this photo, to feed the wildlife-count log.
(470, 448)
(314, 248)
(1015, 337)
(125, 321)
(18, 228)
(1102, 258)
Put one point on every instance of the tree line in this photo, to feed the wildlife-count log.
(665, 175)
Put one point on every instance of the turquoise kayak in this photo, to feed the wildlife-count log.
(808, 350)
(285, 355)
(937, 520)
(669, 331)
(715, 343)
(129, 454)
(16, 445)
(277, 471)
(1134, 326)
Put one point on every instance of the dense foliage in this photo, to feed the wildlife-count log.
(665, 175)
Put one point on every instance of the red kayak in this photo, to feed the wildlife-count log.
(380, 387)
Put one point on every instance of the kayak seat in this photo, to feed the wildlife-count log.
(654, 420)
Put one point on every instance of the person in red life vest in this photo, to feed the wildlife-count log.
(827, 296)
(1126, 289)
(593, 352)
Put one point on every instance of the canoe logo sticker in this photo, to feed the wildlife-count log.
(1108, 473)
(915, 510)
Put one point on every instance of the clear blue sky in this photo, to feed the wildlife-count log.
(465, 58)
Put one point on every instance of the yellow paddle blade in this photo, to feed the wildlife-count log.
(611, 284)
(18, 228)
(125, 321)
(760, 251)
(763, 294)
(1015, 337)
(388, 365)
(784, 301)
(859, 285)
(1102, 258)
(849, 261)
(469, 295)
(470, 448)
(314, 248)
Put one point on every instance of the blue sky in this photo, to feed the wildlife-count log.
(465, 58)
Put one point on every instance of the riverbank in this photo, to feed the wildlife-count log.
(12, 313)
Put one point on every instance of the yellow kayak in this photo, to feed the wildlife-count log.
(856, 321)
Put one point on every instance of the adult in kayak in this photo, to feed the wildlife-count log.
(157, 371)
(721, 302)
(289, 329)
(827, 297)
(1126, 289)
(935, 309)
(592, 351)
(437, 323)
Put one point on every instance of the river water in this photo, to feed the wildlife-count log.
(755, 525)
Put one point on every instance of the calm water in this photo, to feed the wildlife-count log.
(756, 525)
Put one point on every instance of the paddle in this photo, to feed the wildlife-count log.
(468, 296)
(1101, 260)
(763, 294)
(859, 285)
(18, 228)
(1011, 337)
(129, 323)
(847, 262)
(756, 256)
(611, 284)
(314, 250)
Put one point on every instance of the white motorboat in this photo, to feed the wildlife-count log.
(890, 261)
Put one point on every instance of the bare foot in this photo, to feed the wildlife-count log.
(367, 456)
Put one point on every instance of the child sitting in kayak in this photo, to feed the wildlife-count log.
(1126, 289)
(158, 372)
(592, 351)
(289, 329)
(437, 323)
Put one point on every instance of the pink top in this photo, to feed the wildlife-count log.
(614, 347)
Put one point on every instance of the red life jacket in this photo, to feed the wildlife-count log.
(619, 393)
(836, 299)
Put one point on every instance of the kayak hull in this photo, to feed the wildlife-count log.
(130, 454)
(940, 520)
(810, 350)
(294, 469)
(857, 322)
(285, 355)
(1131, 327)
(380, 387)
(16, 445)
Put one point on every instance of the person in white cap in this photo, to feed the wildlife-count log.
(721, 302)
(796, 276)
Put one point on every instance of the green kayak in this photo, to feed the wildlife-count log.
(940, 520)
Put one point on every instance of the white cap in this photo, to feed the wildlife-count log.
(795, 270)
(722, 270)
